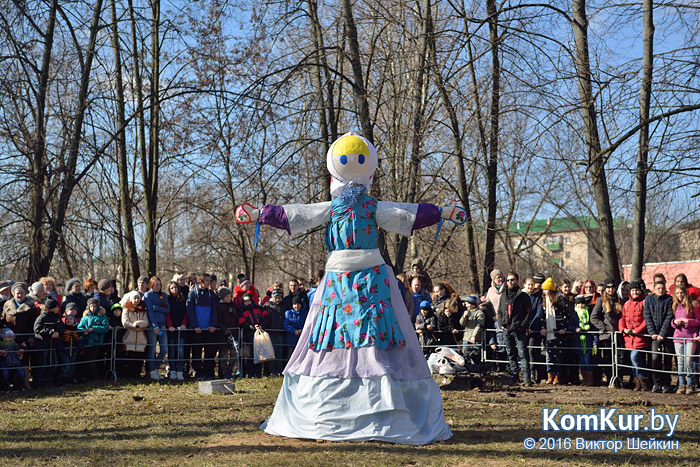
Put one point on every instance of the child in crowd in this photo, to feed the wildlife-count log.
(587, 337)
(72, 309)
(11, 353)
(135, 320)
(472, 321)
(426, 327)
(294, 320)
(69, 346)
(686, 324)
(228, 322)
(94, 325)
(633, 327)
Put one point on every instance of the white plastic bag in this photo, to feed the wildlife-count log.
(262, 347)
(439, 365)
(451, 354)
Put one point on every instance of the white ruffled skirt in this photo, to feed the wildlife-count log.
(360, 394)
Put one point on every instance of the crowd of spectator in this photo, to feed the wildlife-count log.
(566, 333)
(192, 327)
(195, 326)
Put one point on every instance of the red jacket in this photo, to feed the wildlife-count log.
(238, 295)
(633, 318)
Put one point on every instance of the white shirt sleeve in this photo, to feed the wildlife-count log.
(303, 217)
(396, 217)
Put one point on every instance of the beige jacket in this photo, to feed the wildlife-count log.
(136, 322)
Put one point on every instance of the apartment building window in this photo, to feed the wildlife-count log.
(553, 242)
(567, 240)
(568, 254)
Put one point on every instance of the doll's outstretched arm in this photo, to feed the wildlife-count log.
(405, 218)
(294, 218)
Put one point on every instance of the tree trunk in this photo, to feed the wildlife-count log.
(492, 163)
(325, 96)
(140, 141)
(458, 153)
(640, 197)
(596, 162)
(68, 183)
(125, 201)
(418, 129)
(150, 172)
(362, 106)
(358, 77)
(38, 203)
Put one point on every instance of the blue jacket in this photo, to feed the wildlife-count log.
(536, 299)
(658, 314)
(202, 308)
(417, 299)
(293, 321)
(157, 307)
(100, 326)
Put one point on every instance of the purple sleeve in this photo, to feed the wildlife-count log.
(274, 216)
(427, 215)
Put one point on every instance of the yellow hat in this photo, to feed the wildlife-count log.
(350, 144)
(549, 284)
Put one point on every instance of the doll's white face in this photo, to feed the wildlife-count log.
(350, 166)
(351, 159)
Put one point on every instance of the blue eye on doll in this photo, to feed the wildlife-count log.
(360, 159)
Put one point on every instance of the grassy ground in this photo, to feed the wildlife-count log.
(164, 424)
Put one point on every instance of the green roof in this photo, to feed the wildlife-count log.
(563, 224)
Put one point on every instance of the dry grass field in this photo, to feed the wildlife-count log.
(172, 424)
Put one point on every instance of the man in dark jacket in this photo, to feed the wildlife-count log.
(228, 322)
(295, 291)
(276, 331)
(203, 317)
(535, 349)
(515, 315)
(48, 328)
(658, 314)
(74, 294)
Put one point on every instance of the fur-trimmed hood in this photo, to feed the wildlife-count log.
(100, 312)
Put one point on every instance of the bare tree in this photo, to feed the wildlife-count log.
(596, 162)
(640, 197)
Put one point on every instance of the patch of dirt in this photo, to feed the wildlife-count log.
(259, 439)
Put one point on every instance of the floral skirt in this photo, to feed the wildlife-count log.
(355, 310)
